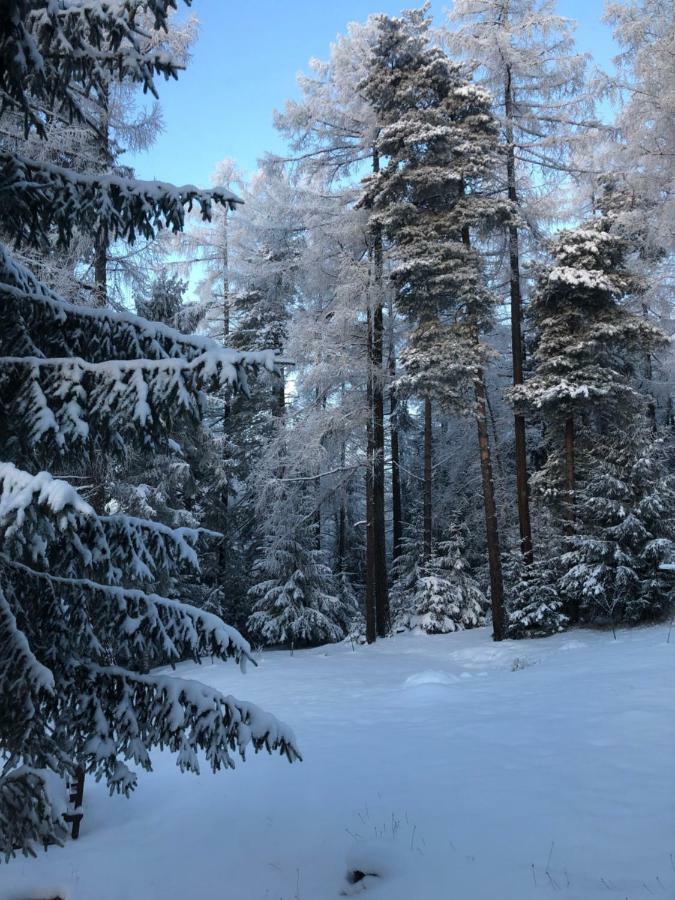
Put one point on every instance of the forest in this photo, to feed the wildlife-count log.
(410, 378)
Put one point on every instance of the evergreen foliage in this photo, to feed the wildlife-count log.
(625, 531)
(298, 599)
(536, 601)
(437, 595)
(80, 619)
(588, 345)
(438, 138)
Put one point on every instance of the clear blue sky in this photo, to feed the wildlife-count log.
(244, 66)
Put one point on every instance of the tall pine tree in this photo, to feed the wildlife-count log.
(438, 143)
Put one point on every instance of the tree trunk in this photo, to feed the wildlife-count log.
(371, 626)
(224, 544)
(342, 521)
(379, 523)
(427, 479)
(516, 334)
(569, 474)
(570, 513)
(379, 567)
(101, 267)
(491, 528)
(397, 512)
(489, 505)
(102, 241)
(649, 375)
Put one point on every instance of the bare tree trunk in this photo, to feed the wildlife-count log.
(491, 528)
(371, 621)
(490, 507)
(379, 523)
(342, 521)
(427, 479)
(570, 512)
(102, 240)
(224, 544)
(376, 332)
(101, 267)
(397, 511)
(516, 335)
(649, 375)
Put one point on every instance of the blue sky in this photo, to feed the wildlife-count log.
(244, 66)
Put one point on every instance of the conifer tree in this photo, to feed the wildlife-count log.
(625, 530)
(333, 132)
(437, 594)
(79, 615)
(439, 142)
(535, 600)
(524, 54)
(587, 348)
(299, 600)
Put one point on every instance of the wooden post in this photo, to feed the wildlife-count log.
(75, 799)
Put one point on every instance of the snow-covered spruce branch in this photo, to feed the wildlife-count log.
(73, 539)
(43, 45)
(45, 198)
(31, 810)
(36, 321)
(182, 715)
(64, 402)
(142, 626)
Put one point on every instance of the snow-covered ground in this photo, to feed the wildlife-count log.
(455, 768)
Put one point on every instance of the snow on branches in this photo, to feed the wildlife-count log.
(45, 198)
(59, 52)
(82, 619)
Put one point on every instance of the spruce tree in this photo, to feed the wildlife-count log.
(79, 618)
(299, 601)
(439, 142)
(625, 531)
(588, 347)
(438, 595)
(535, 599)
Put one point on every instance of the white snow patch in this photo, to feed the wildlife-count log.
(430, 677)
(550, 782)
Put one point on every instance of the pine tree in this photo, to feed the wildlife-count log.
(298, 599)
(587, 348)
(535, 599)
(438, 595)
(625, 530)
(439, 142)
(79, 621)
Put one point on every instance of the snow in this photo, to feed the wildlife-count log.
(438, 766)
(20, 489)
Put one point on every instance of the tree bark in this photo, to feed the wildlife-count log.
(371, 622)
(397, 510)
(570, 512)
(102, 241)
(491, 528)
(522, 491)
(379, 523)
(427, 479)
(342, 521)
(224, 544)
(379, 547)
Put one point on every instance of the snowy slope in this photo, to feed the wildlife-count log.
(433, 761)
